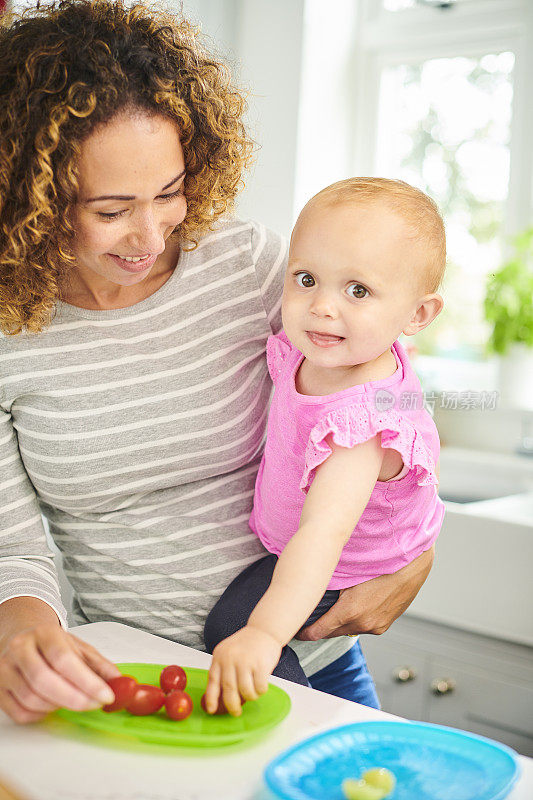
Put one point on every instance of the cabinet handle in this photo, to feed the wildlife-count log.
(442, 685)
(404, 674)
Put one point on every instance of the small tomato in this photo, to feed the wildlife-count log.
(146, 700)
(173, 677)
(123, 688)
(221, 708)
(178, 704)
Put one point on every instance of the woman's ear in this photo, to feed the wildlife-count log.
(428, 307)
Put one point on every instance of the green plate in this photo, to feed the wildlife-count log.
(198, 730)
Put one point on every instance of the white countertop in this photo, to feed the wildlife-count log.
(42, 765)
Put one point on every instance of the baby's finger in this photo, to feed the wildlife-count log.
(212, 692)
(245, 680)
(260, 681)
(230, 693)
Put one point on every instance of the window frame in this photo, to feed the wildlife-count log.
(471, 28)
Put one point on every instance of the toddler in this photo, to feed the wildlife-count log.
(347, 487)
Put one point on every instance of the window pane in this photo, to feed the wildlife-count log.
(444, 126)
(401, 5)
(397, 5)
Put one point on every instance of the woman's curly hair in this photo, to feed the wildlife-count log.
(67, 68)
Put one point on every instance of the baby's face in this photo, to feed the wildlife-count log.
(352, 283)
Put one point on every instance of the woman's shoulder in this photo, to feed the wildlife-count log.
(245, 242)
(16, 343)
(20, 355)
(248, 246)
(245, 234)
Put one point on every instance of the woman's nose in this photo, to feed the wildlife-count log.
(147, 235)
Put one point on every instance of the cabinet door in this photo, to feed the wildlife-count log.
(483, 703)
(388, 663)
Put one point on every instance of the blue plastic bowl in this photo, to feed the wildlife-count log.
(430, 762)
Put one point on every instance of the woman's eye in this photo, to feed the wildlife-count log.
(305, 280)
(166, 198)
(357, 291)
(111, 215)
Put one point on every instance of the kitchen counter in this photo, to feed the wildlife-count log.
(40, 764)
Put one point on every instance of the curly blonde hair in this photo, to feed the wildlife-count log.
(67, 68)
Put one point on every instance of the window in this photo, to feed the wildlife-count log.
(401, 5)
(444, 126)
(437, 95)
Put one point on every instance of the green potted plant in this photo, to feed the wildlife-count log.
(509, 309)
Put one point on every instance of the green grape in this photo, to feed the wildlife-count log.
(381, 778)
(360, 790)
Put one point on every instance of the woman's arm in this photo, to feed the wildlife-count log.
(372, 607)
(42, 667)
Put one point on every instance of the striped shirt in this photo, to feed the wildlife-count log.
(137, 433)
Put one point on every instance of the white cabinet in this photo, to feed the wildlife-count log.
(434, 673)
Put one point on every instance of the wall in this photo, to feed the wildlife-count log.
(263, 42)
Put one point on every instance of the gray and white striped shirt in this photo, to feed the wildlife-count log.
(137, 432)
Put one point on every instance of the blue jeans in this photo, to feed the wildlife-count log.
(348, 677)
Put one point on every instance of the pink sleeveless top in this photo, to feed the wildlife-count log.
(403, 517)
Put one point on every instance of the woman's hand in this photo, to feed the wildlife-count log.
(241, 666)
(43, 668)
(372, 607)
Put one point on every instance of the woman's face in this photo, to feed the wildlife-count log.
(131, 175)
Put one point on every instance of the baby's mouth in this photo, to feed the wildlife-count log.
(324, 339)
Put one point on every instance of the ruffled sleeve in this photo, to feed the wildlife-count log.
(357, 424)
(278, 349)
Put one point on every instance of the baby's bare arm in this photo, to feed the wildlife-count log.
(338, 496)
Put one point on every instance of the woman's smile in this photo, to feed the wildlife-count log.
(145, 263)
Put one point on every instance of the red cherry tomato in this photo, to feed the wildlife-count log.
(221, 708)
(173, 678)
(146, 700)
(123, 688)
(178, 704)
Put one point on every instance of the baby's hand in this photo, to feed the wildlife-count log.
(241, 665)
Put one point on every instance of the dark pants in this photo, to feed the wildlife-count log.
(233, 609)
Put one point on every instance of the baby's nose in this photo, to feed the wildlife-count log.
(323, 306)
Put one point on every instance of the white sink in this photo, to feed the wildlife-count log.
(481, 580)
(470, 475)
(514, 508)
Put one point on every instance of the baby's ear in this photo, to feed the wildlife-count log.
(428, 307)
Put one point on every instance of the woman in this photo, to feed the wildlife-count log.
(133, 380)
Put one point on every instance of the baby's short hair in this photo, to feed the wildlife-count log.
(414, 206)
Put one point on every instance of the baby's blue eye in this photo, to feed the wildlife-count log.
(305, 280)
(357, 291)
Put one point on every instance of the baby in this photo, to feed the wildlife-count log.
(347, 488)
